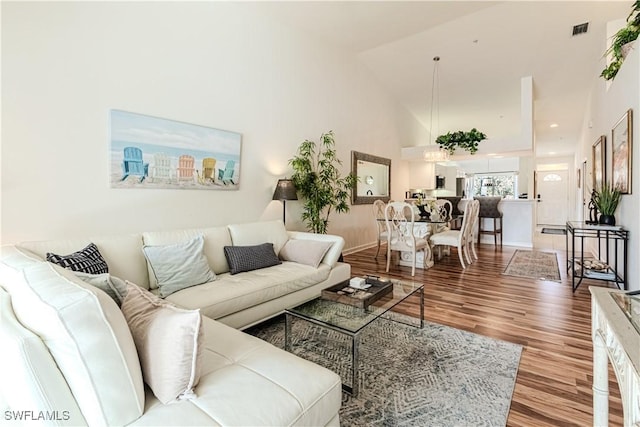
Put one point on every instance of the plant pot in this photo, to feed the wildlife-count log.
(607, 220)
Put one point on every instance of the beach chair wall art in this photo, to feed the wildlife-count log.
(154, 153)
(133, 165)
(208, 170)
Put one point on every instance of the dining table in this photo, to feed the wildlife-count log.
(423, 228)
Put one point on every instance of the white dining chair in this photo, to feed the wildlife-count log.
(443, 212)
(459, 238)
(473, 226)
(381, 227)
(399, 221)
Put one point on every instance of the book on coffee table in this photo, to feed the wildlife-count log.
(362, 298)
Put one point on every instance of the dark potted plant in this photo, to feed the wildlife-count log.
(461, 139)
(620, 43)
(318, 181)
(606, 199)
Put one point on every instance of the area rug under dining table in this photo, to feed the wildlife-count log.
(435, 376)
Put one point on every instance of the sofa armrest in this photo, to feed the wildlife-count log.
(334, 252)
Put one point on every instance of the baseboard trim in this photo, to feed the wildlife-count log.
(360, 248)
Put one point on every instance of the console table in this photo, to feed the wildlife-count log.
(617, 338)
(611, 237)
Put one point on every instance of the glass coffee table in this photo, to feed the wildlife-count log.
(351, 320)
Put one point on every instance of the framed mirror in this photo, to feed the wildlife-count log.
(374, 178)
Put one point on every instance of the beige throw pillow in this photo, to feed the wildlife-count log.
(169, 342)
(308, 252)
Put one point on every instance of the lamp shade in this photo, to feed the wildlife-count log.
(285, 190)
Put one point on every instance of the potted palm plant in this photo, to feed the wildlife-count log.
(606, 200)
(317, 179)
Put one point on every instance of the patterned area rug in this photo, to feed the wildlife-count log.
(435, 376)
(534, 264)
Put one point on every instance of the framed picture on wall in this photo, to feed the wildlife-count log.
(598, 162)
(621, 145)
(154, 153)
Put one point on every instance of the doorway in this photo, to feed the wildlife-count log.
(552, 197)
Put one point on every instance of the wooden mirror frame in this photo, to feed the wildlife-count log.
(362, 199)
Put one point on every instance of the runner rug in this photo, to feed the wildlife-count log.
(550, 230)
(534, 264)
(435, 376)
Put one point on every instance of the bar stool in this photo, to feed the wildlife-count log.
(489, 209)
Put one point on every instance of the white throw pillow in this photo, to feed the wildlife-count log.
(169, 342)
(179, 266)
(308, 252)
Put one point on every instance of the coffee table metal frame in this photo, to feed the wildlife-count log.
(351, 326)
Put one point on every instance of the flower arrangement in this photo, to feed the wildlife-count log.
(425, 206)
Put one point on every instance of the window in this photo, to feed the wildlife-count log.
(552, 177)
(495, 184)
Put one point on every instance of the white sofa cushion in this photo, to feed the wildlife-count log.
(248, 382)
(169, 343)
(215, 239)
(255, 233)
(30, 378)
(232, 293)
(123, 254)
(87, 336)
(178, 266)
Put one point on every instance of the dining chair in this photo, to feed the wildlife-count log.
(381, 227)
(399, 221)
(443, 211)
(459, 238)
(471, 241)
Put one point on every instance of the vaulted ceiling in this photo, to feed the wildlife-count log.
(486, 48)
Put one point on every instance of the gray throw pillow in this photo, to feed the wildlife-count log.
(248, 258)
(113, 286)
(179, 266)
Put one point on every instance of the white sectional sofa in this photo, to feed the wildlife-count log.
(69, 357)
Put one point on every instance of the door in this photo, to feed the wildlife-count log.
(552, 197)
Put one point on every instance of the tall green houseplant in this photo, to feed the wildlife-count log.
(316, 176)
(606, 199)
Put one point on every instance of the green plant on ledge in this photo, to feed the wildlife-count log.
(461, 139)
(317, 179)
(625, 35)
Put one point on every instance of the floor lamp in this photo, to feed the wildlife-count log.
(285, 190)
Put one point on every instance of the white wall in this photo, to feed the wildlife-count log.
(217, 64)
(608, 103)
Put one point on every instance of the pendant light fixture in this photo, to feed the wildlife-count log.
(433, 153)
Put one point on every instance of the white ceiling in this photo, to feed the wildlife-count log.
(486, 47)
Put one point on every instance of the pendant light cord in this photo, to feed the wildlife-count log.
(434, 98)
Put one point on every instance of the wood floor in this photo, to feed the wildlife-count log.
(553, 387)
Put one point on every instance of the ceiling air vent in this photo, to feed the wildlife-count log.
(580, 29)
